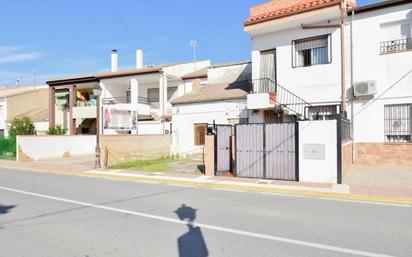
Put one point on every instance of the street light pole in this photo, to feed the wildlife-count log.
(97, 92)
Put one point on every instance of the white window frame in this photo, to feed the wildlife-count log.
(308, 39)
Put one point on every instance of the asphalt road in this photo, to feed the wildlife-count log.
(55, 215)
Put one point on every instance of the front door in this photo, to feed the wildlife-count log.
(267, 69)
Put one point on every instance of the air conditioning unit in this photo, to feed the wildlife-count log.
(365, 88)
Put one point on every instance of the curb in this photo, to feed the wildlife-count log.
(318, 193)
(287, 190)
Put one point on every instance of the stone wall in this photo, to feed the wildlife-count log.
(116, 149)
(384, 153)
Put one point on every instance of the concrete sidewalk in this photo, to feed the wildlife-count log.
(85, 168)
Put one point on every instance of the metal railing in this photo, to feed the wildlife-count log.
(397, 45)
(123, 100)
(282, 97)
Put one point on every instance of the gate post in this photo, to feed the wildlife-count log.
(297, 151)
(264, 150)
(210, 159)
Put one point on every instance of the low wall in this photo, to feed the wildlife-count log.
(318, 151)
(34, 148)
(121, 148)
(346, 158)
(383, 153)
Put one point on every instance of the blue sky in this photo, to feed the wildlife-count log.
(55, 38)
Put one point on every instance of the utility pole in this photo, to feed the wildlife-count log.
(34, 78)
(193, 44)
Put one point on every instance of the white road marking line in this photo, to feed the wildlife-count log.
(338, 200)
(211, 227)
(229, 190)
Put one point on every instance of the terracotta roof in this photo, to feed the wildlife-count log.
(216, 92)
(281, 8)
(196, 74)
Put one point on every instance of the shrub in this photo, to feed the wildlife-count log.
(22, 127)
(57, 130)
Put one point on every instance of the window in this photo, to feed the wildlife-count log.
(398, 122)
(170, 92)
(200, 133)
(396, 37)
(311, 51)
(153, 95)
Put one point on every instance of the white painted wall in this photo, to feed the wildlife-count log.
(317, 83)
(392, 72)
(186, 115)
(227, 74)
(320, 84)
(323, 133)
(3, 114)
(41, 127)
(51, 147)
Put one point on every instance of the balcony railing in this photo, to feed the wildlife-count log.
(398, 45)
(123, 100)
(282, 97)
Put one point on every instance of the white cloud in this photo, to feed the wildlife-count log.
(19, 57)
(10, 54)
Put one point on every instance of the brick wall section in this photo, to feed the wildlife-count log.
(384, 153)
(346, 158)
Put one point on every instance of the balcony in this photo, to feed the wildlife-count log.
(395, 46)
(84, 109)
(267, 94)
(143, 106)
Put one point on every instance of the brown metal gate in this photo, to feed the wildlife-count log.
(267, 151)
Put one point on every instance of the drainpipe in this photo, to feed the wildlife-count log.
(343, 9)
(352, 84)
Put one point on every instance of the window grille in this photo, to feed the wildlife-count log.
(398, 123)
(311, 51)
(323, 112)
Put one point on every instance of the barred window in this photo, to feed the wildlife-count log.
(398, 122)
(200, 133)
(311, 51)
(323, 112)
(153, 95)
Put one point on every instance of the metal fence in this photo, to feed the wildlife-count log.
(397, 45)
(7, 148)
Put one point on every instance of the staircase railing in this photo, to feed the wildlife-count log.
(282, 97)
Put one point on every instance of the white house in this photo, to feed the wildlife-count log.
(135, 100)
(219, 98)
(314, 58)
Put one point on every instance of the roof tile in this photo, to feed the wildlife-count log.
(279, 8)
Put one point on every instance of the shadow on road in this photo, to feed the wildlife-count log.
(192, 242)
(6, 208)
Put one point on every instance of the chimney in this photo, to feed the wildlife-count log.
(115, 58)
(196, 86)
(139, 59)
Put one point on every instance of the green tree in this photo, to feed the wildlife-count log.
(57, 130)
(21, 127)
